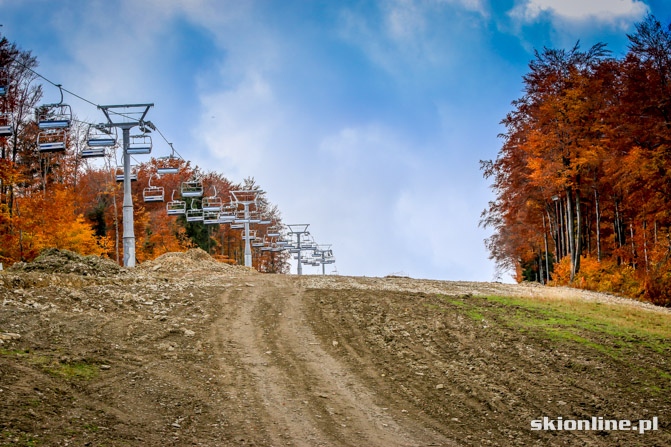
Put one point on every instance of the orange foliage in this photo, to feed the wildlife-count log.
(45, 220)
(604, 276)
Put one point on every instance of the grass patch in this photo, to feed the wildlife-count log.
(74, 370)
(13, 439)
(14, 352)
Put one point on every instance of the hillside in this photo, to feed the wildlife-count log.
(185, 351)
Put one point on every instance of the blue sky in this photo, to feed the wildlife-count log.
(366, 119)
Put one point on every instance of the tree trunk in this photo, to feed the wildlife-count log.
(547, 262)
(598, 225)
(645, 244)
(633, 247)
(541, 275)
(577, 249)
(571, 232)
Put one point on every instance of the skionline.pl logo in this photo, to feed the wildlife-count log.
(595, 423)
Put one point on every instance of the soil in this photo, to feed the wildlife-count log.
(185, 351)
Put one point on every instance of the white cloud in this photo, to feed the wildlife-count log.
(615, 12)
(409, 36)
(237, 127)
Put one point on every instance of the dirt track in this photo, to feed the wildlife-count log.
(268, 360)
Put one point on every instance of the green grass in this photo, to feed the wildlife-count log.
(74, 370)
(612, 330)
(9, 438)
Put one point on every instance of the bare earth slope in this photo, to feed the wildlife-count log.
(178, 353)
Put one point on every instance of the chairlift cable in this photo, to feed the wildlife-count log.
(62, 89)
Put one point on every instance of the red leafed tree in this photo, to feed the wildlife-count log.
(584, 172)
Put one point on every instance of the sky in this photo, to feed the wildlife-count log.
(365, 119)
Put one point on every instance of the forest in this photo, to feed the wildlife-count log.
(582, 181)
(67, 200)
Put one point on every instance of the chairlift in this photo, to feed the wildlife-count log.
(235, 226)
(194, 214)
(99, 136)
(4, 82)
(193, 188)
(92, 152)
(282, 243)
(264, 222)
(175, 207)
(266, 248)
(132, 175)
(226, 216)
(153, 193)
(212, 203)
(54, 116)
(51, 140)
(5, 126)
(139, 144)
(273, 234)
(168, 164)
(277, 249)
(211, 217)
(259, 243)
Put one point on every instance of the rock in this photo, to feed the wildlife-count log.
(440, 386)
(335, 343)
(9, 336)
(105, 367)
(189, 332)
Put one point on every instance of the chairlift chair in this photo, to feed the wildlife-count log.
(212, 203)
(266, 248)
(166, 165)
(98, 136)
(153, 193)
(254, 218)
(54, 116)
(211, 217)
(273, 233)
(235, 226)
(4, 83)
(226, 214)
(92, 152)
(194, 214)
(132, 175)
(175, 207)
(139, 144)
(226, 218)
(51, 140)
(193, 188)
(5, 126)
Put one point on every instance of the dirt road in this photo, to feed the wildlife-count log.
(291, 385)
(232, 358)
